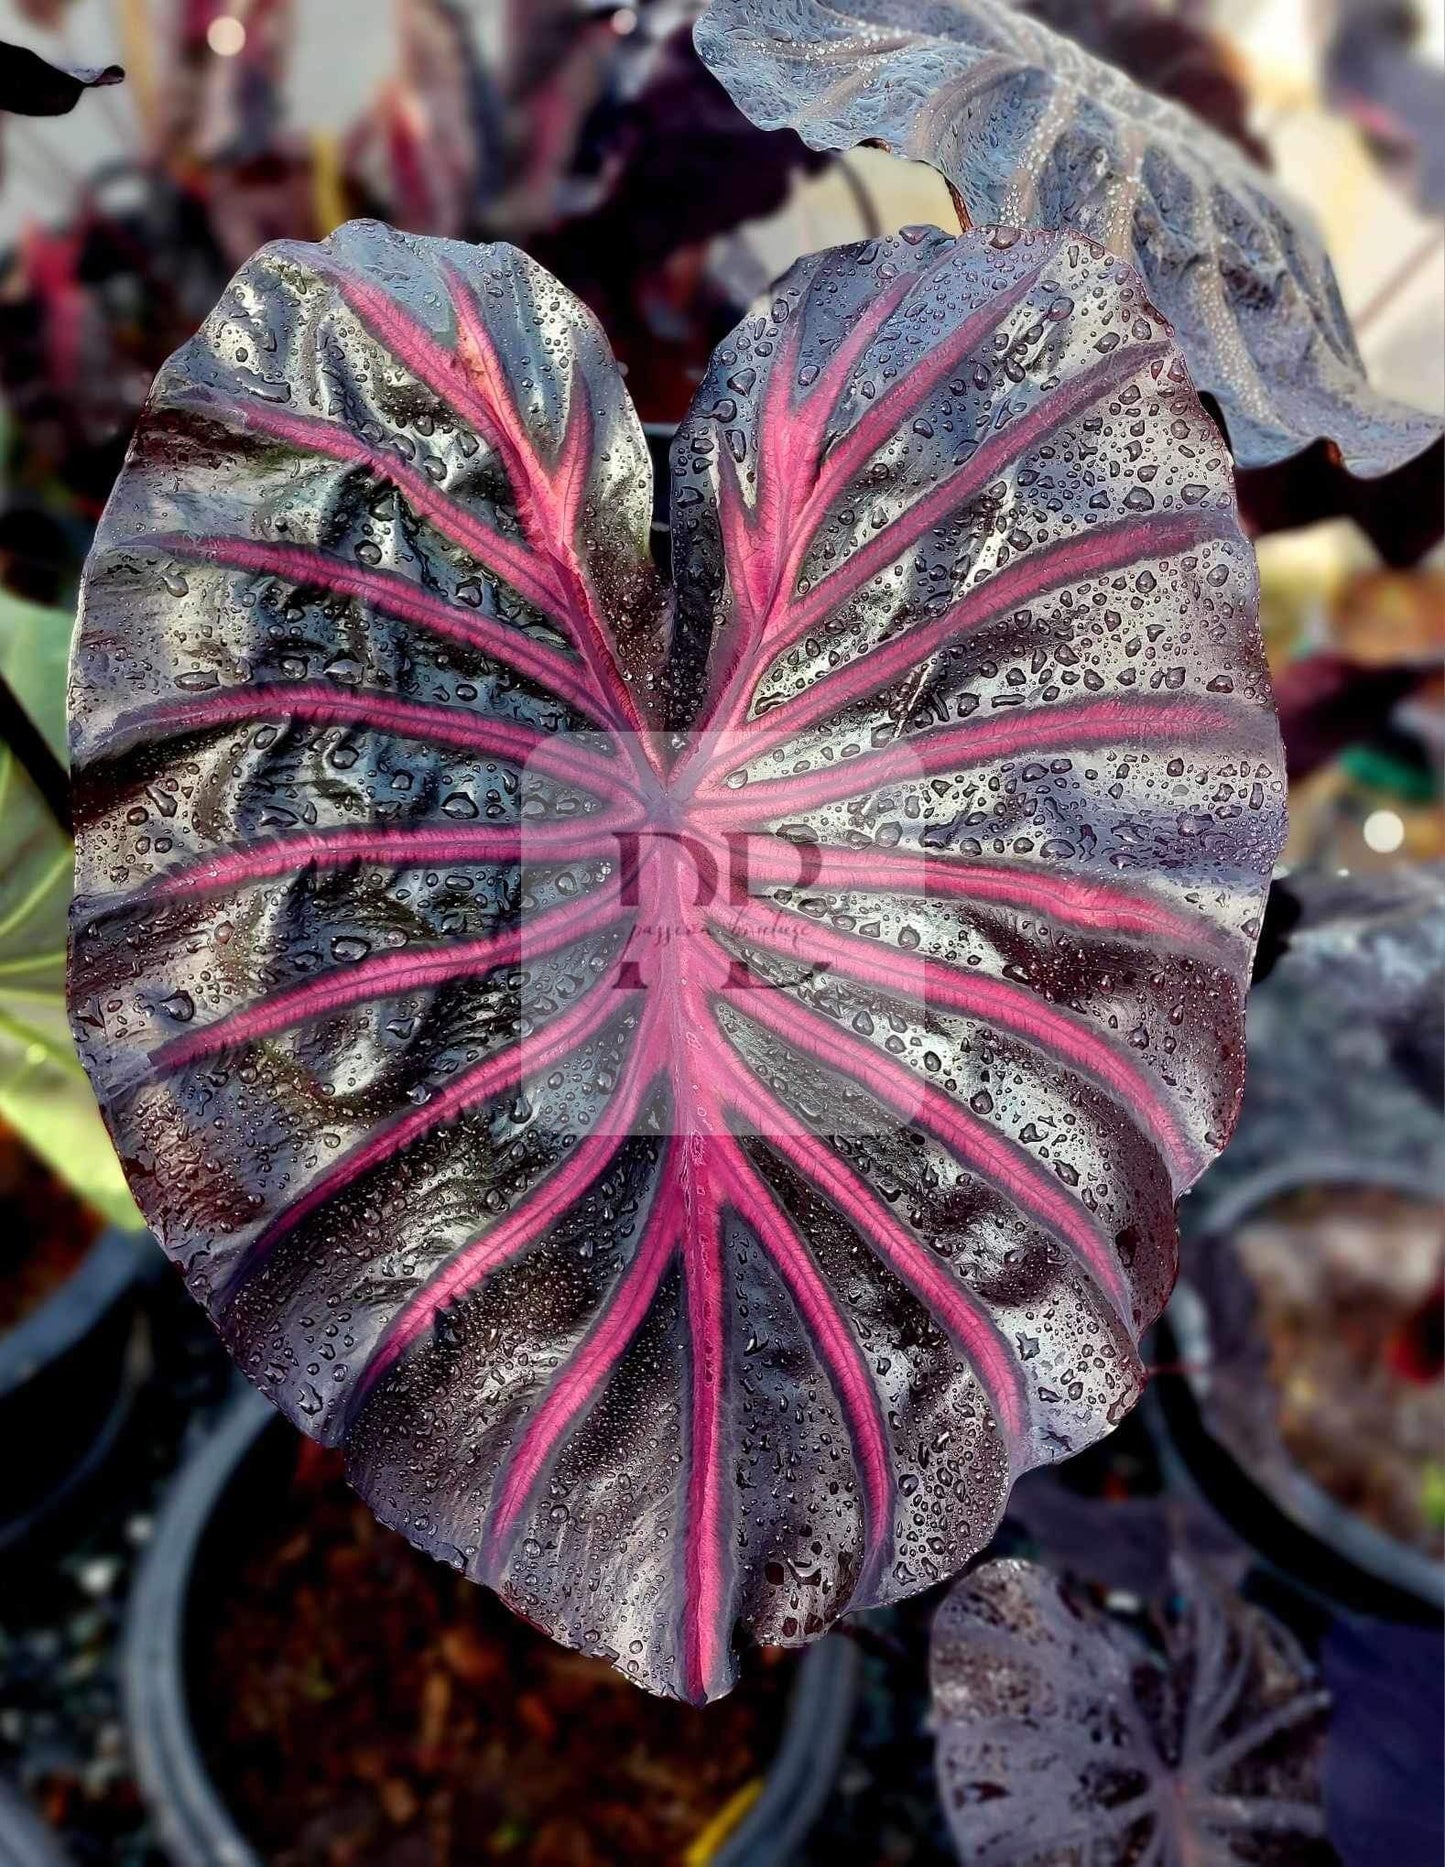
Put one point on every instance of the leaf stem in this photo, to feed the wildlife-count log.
(42, 767)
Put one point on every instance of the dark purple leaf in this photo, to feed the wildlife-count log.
(1346, 1037)
(1064, 1736)
(1327, 703)
(1032, 130)
(1374, 947)
(1402, 513)
(30, 86)
(681, 164)
(1128, 1544)
(686, 164)
(692, 1170)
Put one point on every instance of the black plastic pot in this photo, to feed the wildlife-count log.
(181, 1583)
(69, 1373)
(25, 1841)
(1320, 1546)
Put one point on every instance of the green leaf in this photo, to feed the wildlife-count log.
(44, 1094)
(34, 658)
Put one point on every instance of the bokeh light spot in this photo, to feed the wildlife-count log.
(1383, 832)
(226, 36)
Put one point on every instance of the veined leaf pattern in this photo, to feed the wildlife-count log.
(1064, 1735)
(1035, 131)
(691, 1094)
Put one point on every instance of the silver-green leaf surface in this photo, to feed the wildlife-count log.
(1034, 131)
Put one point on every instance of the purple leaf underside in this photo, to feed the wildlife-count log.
(1064, 1736)
(691, 1093)
(1033, 130)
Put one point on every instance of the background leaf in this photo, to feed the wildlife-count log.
(1066, 1735)
(1034, 131)
(44, 1094)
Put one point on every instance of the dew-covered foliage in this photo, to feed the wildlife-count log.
(1033, 130)
(1193, 1740)
(690, 1091)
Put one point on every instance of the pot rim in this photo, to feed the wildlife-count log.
(1375, 1557)
(115, 1262)
(197, 1828)
(41, 1351)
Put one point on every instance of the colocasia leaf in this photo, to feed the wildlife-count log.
(1172, 53)
(695, 1123)
(1402, 513)
(1036, 132)
(1346, 1036)
(1063, 1736)
(683, 165)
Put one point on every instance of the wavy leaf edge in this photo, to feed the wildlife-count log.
(690, 1174)
(1031, 128)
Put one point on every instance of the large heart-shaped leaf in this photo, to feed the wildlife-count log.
(692, 1165)
(1063, 1736)
(1035, 131)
